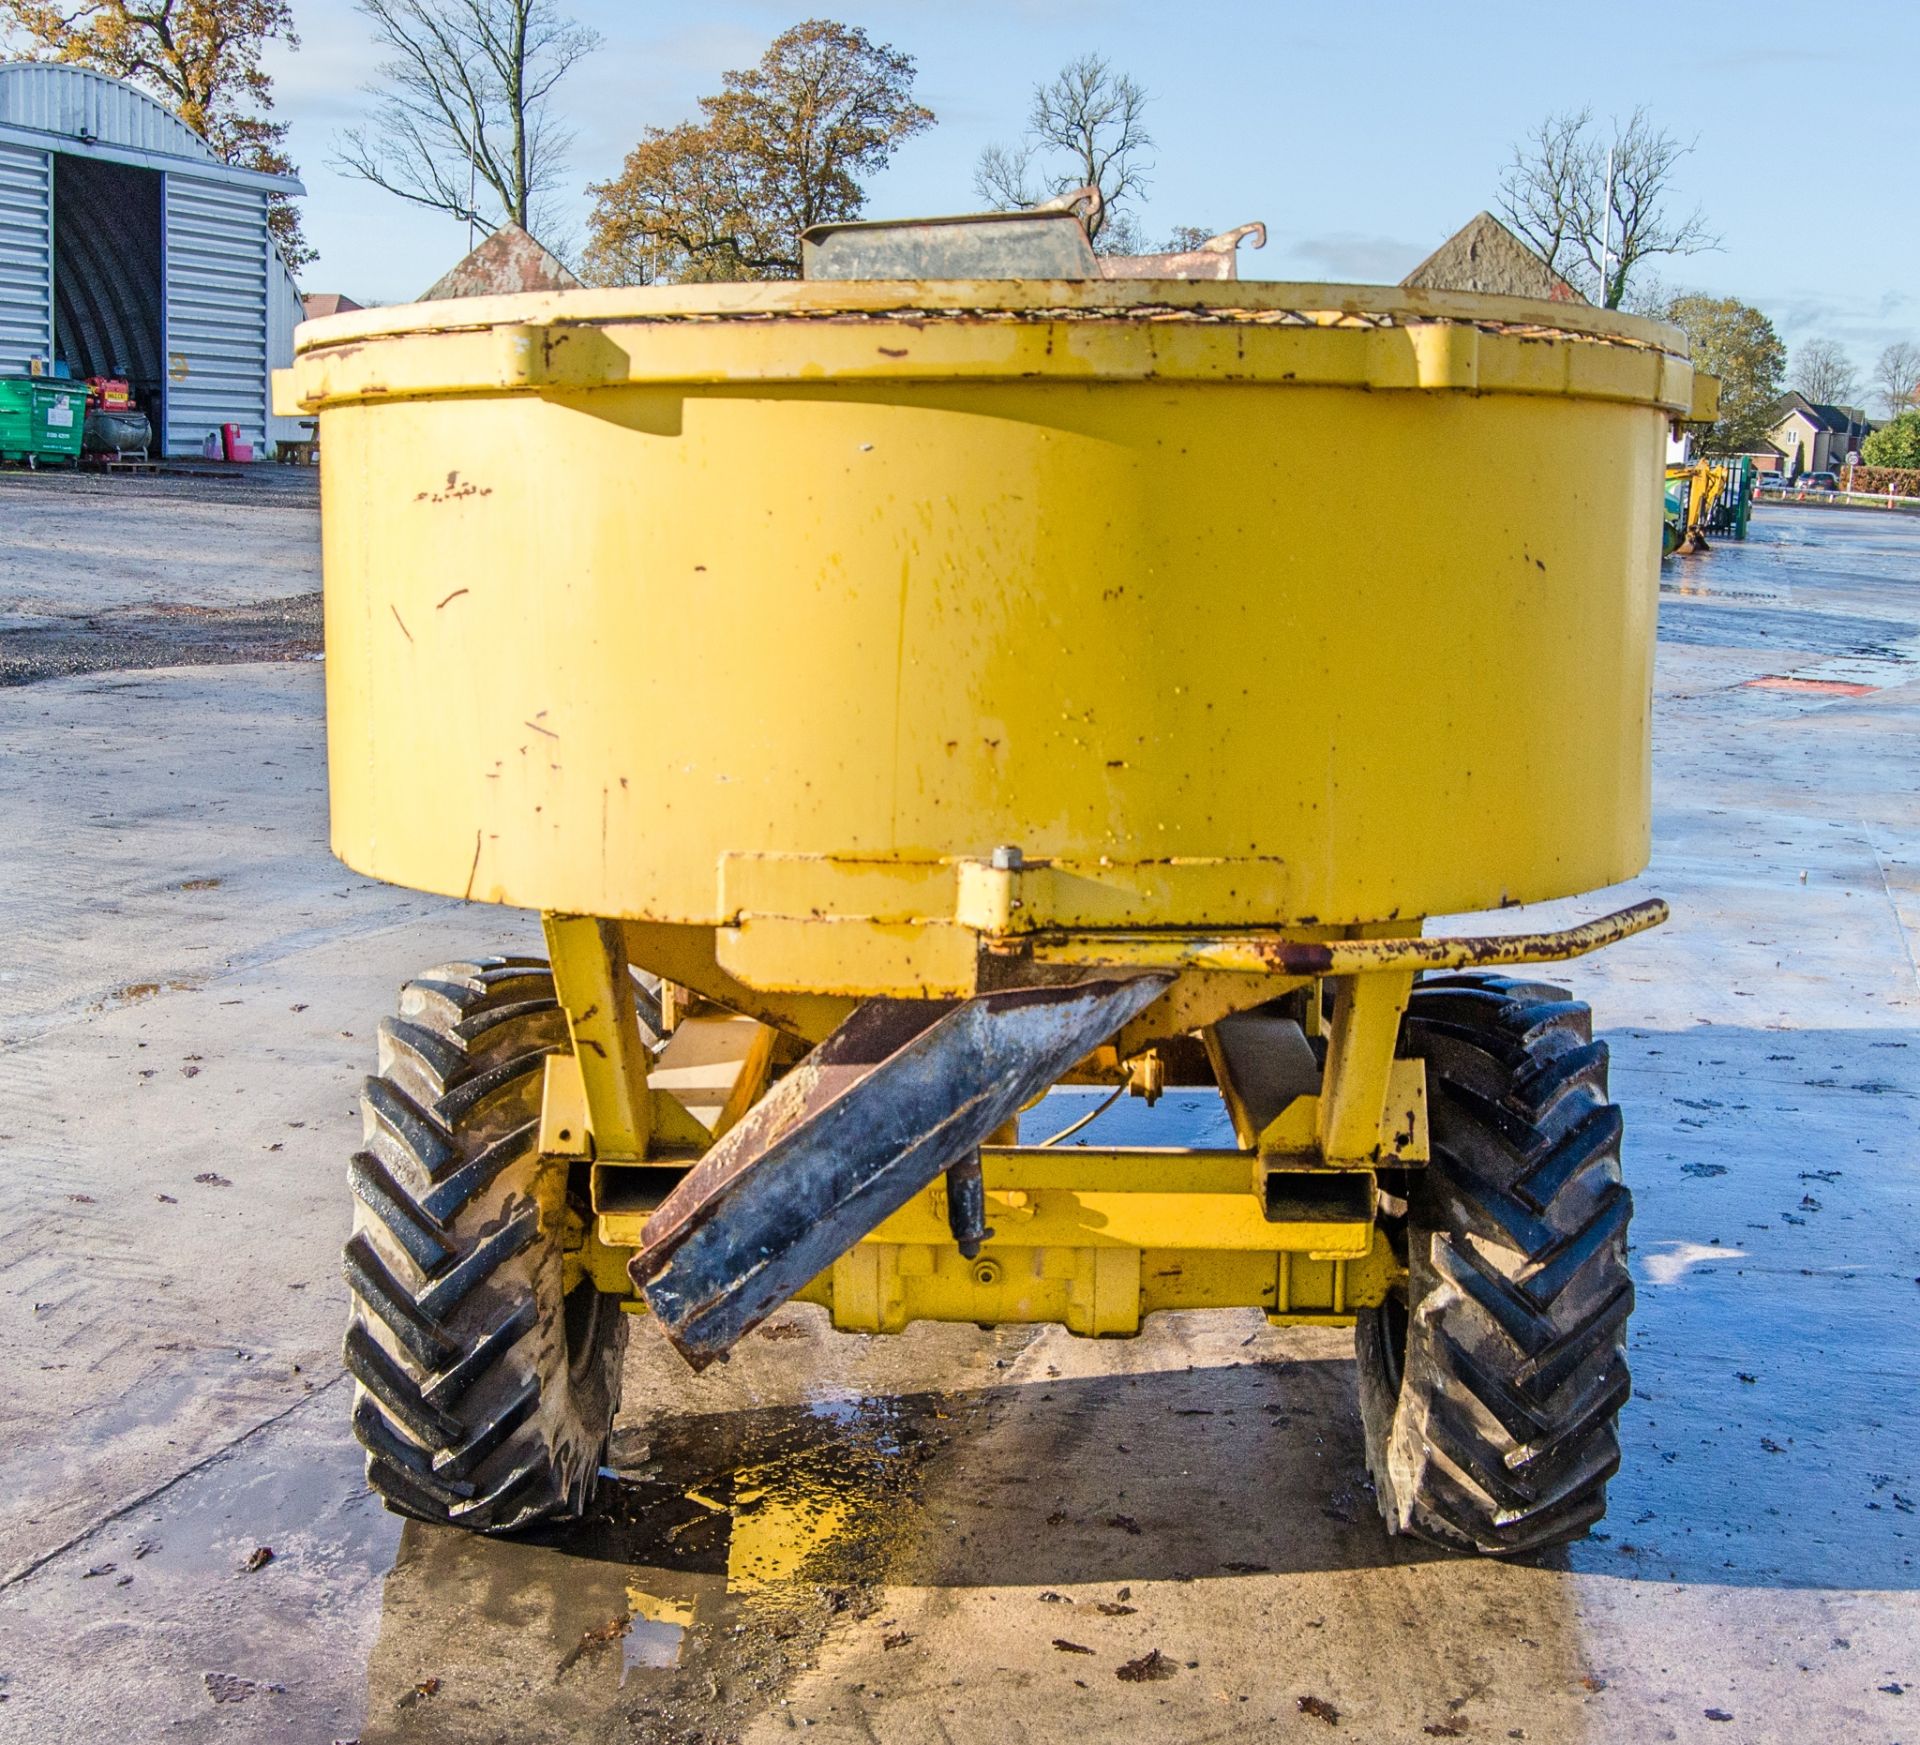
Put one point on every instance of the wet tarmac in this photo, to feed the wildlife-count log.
(957, 1534)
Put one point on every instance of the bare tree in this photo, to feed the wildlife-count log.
(1597, 208)
(1897, 376)
(1086, 128)
(1824, 373)
(1004, 177)
(462, 117)
(1543, 191)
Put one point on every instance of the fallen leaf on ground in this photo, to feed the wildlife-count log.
(1108, 1608)
(207, 1178)
(1056, 1517)
(258, 1558)
(1067, 1647)
(1051, 1598)
(1320, 1709)
(425, 1688)
(899, 1639)
(1245, 1568)
(1717, 1715)
(1443, 1730)
(1151, 1665)
(1126, 1523)
(598, 1637)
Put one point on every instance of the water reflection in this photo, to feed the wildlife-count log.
(720, 1548)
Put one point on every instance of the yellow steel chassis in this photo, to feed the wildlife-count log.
(1092, 1238)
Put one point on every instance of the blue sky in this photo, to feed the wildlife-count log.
(1362, 136)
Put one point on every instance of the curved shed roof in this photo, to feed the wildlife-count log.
(76, 110)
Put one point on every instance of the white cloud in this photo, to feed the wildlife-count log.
(1351, 257)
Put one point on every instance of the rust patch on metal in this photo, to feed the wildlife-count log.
(454, 489)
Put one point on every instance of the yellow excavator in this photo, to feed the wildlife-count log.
(1693, 489)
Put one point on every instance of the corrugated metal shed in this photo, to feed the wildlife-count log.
(26, 256)
(127, 246)
(50, 98)
(218, 256)
(285, 311)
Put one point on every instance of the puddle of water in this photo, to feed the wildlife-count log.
(736, 1521)
(778, 1529)
(132, 993)
(720, 1549)
(1695, 588)
(656, 1631)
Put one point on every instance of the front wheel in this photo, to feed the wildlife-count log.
(485, 1388)
(1490, 1385)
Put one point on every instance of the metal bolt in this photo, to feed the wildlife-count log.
(1008, 858)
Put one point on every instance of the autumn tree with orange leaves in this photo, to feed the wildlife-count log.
(786, 144)
(199, 57)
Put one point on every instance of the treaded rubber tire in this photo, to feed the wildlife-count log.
(1490, 1390)
(483, 1396)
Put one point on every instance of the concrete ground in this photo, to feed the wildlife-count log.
(952, 1534)
(119, 573)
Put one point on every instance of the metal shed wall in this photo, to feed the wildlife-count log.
(284, 314)
(26, 257)
(218, 256)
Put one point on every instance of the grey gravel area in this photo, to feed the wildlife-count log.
(126, 571)
(161, 636)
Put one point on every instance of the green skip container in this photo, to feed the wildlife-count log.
(41, 418)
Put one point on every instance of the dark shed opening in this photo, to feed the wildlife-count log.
(107, 274)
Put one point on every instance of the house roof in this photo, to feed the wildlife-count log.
(509, 260)
(1484, 255)
(317, 304)
(1838, 419)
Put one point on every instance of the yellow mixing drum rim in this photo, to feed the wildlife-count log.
(1233, 604)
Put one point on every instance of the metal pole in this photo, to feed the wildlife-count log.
(472, 188)
(1606, 232)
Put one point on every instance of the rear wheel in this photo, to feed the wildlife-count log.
(485, 1388)
(1491, 1384)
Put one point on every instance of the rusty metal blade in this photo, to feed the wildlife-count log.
(895, 1095)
